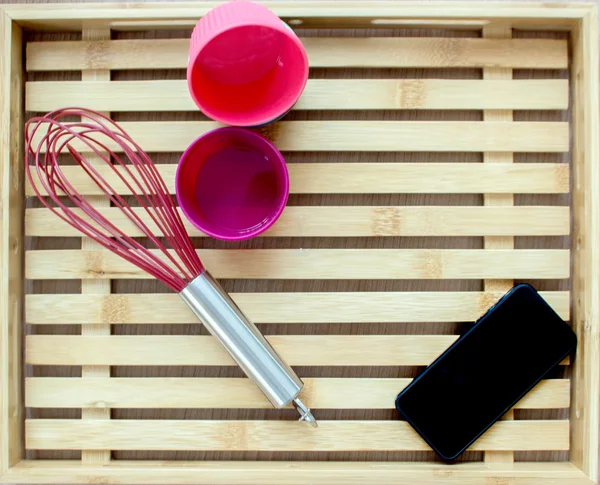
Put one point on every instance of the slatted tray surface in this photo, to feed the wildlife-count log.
(427, 172)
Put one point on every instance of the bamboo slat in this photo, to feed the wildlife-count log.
(276, 435)
(95, 286)
(498, 31)
(318, 393)
(340, 94)
(405, 136)
(322, 52)
(322, 350)
(277, 307)
(355, 221)
(382, 178)
(319, 264)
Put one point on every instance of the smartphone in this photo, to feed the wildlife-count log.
(486, 371)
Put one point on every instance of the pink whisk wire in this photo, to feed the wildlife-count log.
(48, 136)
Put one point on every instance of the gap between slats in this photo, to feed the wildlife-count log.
(298, 350)
(354, 221)
(380, 178)
(276, 435)
(427, 136)
(387, 307)
(322, 52)
(239, 393)
(319, 264)
(319, 94)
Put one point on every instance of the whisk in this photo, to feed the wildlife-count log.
(180, 268)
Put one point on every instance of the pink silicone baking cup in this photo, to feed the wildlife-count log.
(246, 66)
(232, 183)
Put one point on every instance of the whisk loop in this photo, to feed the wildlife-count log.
(49, 136)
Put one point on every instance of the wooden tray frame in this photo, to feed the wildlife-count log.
(582, 22)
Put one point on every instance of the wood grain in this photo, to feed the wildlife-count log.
(347, 136)
(275, 435)
(314, 307)
(349, 221)
(382, 178)
(292, 473)
(341, 94)
(321, 350)
(186, 350)
(498, 31)
(11, 243)
(586, 150)
(322, 52)
(302, 263)
(241, 393)
(92, 286)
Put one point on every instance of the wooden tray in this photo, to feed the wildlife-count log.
(363, 280)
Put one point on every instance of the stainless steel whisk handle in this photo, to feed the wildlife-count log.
(244, 342)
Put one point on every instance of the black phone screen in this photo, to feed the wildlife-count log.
(486, 371)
